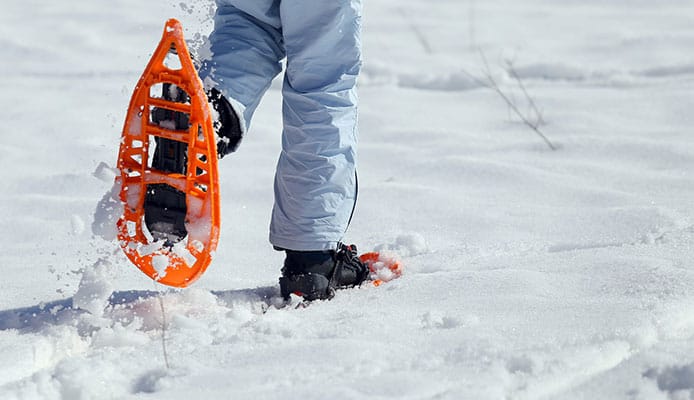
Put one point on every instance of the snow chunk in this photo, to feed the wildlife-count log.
(406, 245)
(147, 249)
(383, 273)
(105, 173)
(182, 251)
(77, 224)
(94, 289)
(160, 263)
(433, 319)
(107, 212)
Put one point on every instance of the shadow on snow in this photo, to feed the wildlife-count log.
(61, 312)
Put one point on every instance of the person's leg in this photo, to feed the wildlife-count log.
(246, 52)
(315, 183)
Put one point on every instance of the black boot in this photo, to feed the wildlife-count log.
(316, 275)
(165, 206)
(227, 125)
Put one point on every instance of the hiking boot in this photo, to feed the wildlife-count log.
(315, 275)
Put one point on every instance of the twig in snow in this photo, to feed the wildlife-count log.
(493, 84)
(164, 328)
(538, 114)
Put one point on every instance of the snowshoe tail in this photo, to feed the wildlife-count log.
(168, 169)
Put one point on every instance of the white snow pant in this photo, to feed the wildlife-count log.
(315, 181)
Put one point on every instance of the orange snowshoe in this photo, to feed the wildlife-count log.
(168, 169)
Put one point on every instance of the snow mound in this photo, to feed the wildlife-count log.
(404, 245)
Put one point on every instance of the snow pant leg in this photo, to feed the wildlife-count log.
(315, 183)
(246, 52)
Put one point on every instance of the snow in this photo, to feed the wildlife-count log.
(94, 289)
(160, 263)
(529, 273)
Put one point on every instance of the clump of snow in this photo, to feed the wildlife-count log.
(160, 262)
(405, 245)
(107, 213)
(133, 193)
(195, 205)
(386, 268)
(77, 224)
(382, 272)
(149, 248)
(431, 320)
(105, 173)
(199, 227)
(181, 250)
(95, 288)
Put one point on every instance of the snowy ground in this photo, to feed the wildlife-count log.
(530, 273)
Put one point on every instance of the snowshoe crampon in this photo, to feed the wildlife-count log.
(168, 169)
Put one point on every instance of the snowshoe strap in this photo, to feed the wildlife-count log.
(347, 255)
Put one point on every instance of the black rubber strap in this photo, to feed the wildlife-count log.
(339, 262)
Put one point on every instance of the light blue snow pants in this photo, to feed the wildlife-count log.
(315, 182)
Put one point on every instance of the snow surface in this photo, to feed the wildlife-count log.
(529, 273)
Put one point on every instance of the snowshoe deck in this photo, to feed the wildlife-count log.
(168, 169)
